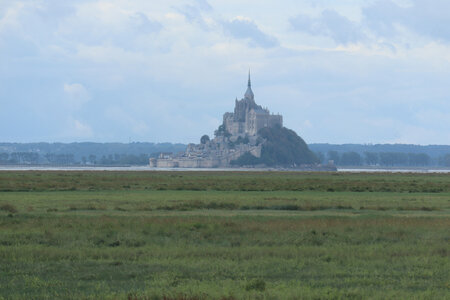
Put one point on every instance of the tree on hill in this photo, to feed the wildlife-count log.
(281, 147)
(247, 159)
(284, 147)
(204, 139)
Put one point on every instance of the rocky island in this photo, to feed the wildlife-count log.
(250, 136)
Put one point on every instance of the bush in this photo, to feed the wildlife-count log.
(9, 208)
(256, 285)
(247, 159)
(204, 139)
(241, 140)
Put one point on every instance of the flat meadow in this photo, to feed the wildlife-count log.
(224, 235)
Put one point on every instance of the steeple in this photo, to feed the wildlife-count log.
(249, 93)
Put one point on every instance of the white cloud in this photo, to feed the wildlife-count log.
(109, 55)
(330, 23)
(169, 69)
(245, 28)
(77, 95)
(10, 17)
(78, 129)
(420, 16)
(98, 23)
(194, 12)
(119, 115)
(143, 24)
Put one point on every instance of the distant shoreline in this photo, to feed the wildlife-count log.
(147, 168)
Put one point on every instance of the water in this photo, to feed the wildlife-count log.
(146, 168)
(128, 168)
(362, 170)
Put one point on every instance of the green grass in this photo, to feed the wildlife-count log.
(223, 181)
(198, 235)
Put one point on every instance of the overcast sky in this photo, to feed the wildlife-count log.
(343, 71)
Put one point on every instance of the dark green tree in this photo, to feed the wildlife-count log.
(247, 159)
(204, 139)
(320, 156)
(351, 159)
(4, 157)
(334, 156)
(418, 159)
(221, 131)
(445, 160)
(371, 158)
(393, 159)
(283, 147)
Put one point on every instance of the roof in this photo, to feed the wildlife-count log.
(249, 93)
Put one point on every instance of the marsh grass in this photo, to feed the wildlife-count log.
(209, 243)
(8, 208)
(223, 181)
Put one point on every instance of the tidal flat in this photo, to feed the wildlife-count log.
(224, 235)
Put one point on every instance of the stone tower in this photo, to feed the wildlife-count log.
(249, 117)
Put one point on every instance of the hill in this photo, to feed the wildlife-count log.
(281, 147)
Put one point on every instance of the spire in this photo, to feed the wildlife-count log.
(249, 92)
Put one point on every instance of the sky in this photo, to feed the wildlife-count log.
(343, 71)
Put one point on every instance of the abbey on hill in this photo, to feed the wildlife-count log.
(250, 135)
(248, 117)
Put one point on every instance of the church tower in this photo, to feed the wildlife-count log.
(248, 117)
(249, 93)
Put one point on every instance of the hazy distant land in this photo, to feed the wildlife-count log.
(138, 153)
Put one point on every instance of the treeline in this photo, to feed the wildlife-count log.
(86, 149)
(118, 159)
(30, 158)
(385, 155)
(385, 159)
(83, 153)
(19, 158)
(285, 148)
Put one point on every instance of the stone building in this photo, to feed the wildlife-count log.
(235, 137)
(248, 117)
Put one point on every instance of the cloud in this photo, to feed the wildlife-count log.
(96, 23)
(79, 129)
(120, 116)
(244, 28)
(422, 17)
(204, 5)
(194, 12)
(169, 67)
(331, 24)
(54, 11)
(76, 94)
(9, 17)
(143, 24)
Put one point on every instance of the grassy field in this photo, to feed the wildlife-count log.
(224, 235)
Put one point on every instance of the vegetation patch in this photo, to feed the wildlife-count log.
(223, 235)
(8, 208)
(280, 147)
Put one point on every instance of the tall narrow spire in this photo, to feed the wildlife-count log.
(249, 92)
